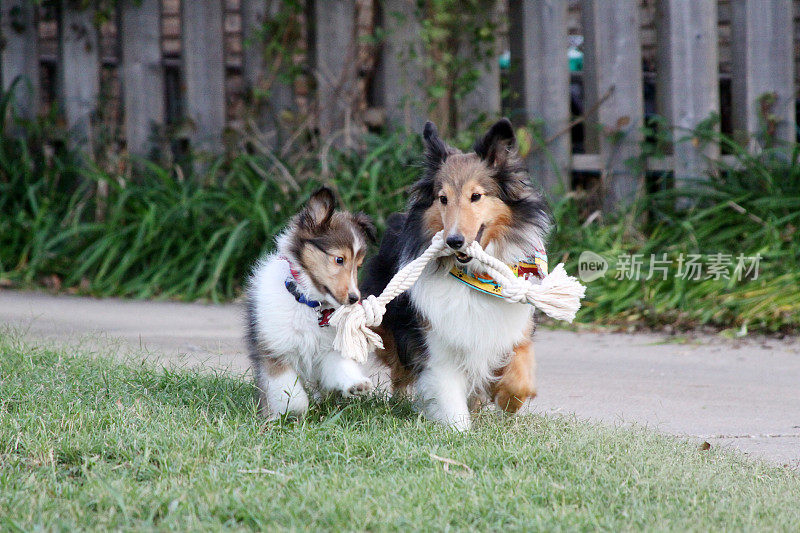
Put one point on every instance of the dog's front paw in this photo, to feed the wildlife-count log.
(343, 376)
(453, 415)
(357, 389)
(460, 424)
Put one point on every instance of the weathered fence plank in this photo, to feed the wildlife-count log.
(540, 80)
(401, 76)
(688, 77)
(19, 54)
(485, 98)
(613, 85)
(763, 64)
(335, 67)
(142, 72)
(204, 71)
(79, 71)
(591, 162)
(263, 83)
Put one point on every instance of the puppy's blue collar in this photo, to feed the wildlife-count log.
(323, 315)
(291, 286)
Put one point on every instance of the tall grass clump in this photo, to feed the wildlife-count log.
(171, 232)
(749, 207)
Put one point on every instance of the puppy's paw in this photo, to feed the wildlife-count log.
(343, 376)
(282, 395)
(358, 389)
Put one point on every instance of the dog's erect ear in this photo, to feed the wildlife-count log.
(364, 222)
(318, 210)
(498, 143)
(435, 148)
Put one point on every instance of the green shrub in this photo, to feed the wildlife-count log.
(164, 233)
(749, 208)
(193, 234)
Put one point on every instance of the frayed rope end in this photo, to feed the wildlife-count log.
(354, 338)
(559, 295)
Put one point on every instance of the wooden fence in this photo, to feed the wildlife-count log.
(687, 75)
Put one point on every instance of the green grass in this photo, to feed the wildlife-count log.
(89, 443)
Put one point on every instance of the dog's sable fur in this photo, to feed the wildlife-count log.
(287, 346)
(449, 340)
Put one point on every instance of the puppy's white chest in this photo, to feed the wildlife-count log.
(286, 326)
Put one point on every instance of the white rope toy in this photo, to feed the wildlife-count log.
(558, 296)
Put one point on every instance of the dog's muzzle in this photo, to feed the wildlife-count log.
(462, 257)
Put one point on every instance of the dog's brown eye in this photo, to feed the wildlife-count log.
(443, 199)
(340, 260)
(475, 197)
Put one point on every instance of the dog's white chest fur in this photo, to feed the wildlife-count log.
(470, 330)
(286, 329)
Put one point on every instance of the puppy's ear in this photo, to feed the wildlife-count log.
(318, 210)
(435, 148)
(498, 144)
(364, 222)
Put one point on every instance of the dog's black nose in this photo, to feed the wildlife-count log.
(353, 298)
(455, 241)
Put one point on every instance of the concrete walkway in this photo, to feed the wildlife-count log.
(744, 394)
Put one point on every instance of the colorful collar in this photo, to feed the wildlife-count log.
(293, 286)
(534, 265)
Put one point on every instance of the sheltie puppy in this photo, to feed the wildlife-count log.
(452, 342)
(290, 296)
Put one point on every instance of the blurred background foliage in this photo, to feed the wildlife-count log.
(187, 227)
(191, 232)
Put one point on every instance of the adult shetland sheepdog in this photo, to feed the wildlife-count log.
(451, 341)
(290, 296)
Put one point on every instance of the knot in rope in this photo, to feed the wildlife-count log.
(373, 311)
